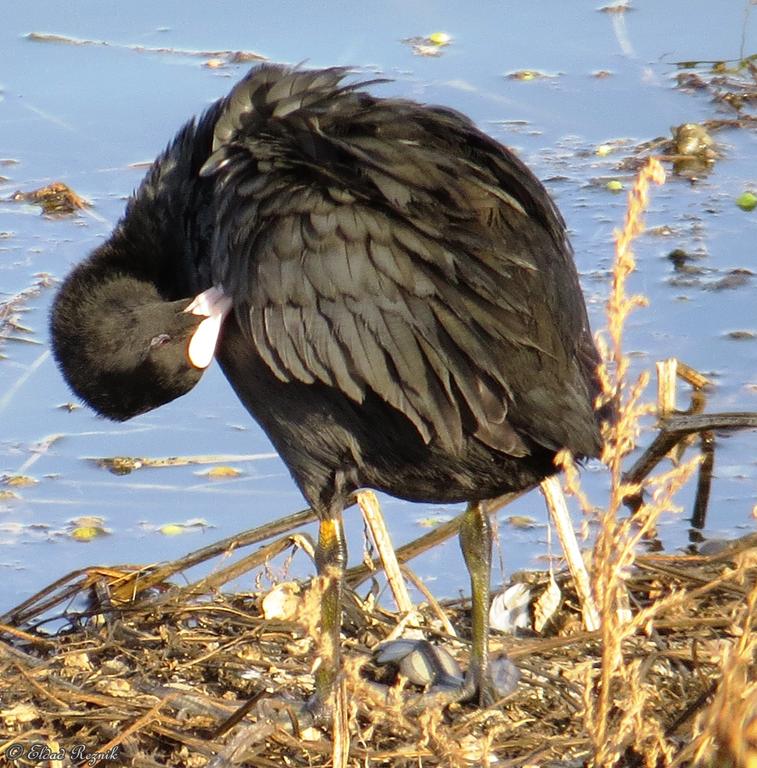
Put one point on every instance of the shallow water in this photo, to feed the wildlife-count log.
(85, 114)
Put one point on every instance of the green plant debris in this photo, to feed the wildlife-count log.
(693, 139)
(526, 75)
(731, 84)
(190, 526)
(119, 465)
(85, 533)
(430, 45)
(87, 528)
(431, 521)
(440, 38)
(747, 201)
(172, 529)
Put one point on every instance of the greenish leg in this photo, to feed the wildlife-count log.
(330, 560)
(476, 544)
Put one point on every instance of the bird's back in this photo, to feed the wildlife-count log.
(390, 262)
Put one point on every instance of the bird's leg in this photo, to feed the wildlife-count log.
(330, 560)
(476, 544)
(425, 664)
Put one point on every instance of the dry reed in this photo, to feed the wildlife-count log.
(620, 705)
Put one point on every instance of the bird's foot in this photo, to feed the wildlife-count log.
(432, 667)
(317, 712)
(498, 681)
(293, 716)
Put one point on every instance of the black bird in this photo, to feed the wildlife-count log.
(401, 306)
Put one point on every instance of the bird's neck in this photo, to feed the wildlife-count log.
(164, 234)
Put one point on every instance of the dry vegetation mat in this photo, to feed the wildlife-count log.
(178, 675)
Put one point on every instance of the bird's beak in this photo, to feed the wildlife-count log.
(214, 304)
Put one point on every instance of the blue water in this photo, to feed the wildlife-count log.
(84, 114)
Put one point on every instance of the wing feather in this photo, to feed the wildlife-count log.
(380, 246)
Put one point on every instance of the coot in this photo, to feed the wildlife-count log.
(396, 299)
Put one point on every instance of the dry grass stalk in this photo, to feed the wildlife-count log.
(560, 516)
(369, 506)
(616, 699)
(728, 728)
(667, 373)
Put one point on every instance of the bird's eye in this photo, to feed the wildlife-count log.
(160, 340)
